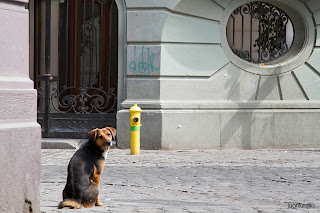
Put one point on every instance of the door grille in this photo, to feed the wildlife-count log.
(77, 89)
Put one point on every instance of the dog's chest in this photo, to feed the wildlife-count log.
(105, 154)
(98, 167)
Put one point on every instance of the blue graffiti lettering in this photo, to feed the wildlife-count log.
(144, 67)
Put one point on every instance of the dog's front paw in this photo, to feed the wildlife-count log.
(98, 203)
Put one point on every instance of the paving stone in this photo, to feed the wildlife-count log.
(193, 181)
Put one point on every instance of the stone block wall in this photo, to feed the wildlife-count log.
(20, 134)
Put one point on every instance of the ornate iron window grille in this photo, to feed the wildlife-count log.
(257, 32)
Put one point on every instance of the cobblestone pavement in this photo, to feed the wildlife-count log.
(194, 181)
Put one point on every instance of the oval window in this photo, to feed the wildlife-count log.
(259, 32)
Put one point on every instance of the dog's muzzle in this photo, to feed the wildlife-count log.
(111, 143)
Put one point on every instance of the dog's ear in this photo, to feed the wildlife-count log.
(113, 131)
(92, 134)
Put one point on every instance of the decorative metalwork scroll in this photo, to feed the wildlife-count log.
(257, 32)
(83, 100)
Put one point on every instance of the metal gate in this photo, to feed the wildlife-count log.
(75, 65)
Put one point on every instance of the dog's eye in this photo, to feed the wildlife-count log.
(100, 136)
(109, 134)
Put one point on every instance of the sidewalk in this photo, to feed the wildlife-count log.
(194, 181)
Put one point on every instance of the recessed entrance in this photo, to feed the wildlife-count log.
(75, 65)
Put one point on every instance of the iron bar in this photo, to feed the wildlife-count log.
(36, 41)
(259, 50)
(47, 66)
(242, 27)
(268, 32)
(233, 29)
(76, 44)
(250, 58)
(48, 36)
(59, 42)
(100, 43)
(91, 38)
(67, 41)
(83, 43)
(110, 44)
(277, 30)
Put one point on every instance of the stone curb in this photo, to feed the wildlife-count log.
(58, 143)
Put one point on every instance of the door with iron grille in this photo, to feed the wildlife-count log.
(75, 65)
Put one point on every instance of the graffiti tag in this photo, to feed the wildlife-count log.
(145, 64)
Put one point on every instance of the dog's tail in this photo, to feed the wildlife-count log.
(70, 203)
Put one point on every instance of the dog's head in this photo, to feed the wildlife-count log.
(103, 137)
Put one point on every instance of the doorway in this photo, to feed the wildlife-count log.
(75, 65)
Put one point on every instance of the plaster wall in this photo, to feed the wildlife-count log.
(20, 133)
(187, 74)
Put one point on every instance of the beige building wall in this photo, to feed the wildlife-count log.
(195, 93)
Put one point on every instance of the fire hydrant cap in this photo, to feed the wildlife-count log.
(135, 108)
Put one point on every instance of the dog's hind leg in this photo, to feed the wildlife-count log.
(95, 178)
(90, 196)
(97, 181)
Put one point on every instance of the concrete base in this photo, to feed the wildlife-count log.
(20, 169)
(151, 134)
(288, 126)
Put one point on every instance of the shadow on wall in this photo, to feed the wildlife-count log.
(242, 125)
(300, 74)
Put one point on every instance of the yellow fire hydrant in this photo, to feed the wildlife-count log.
(135, 117)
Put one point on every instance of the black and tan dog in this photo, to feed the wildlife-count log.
(85, 168)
